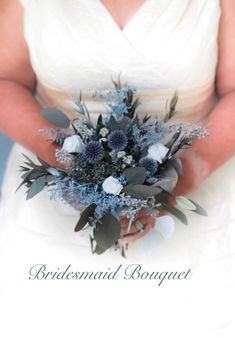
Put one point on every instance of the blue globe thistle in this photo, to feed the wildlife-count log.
(117, 140)
(93, 152)
(149, 164)
(124, 122)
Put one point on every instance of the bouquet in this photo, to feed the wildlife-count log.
(124, 163)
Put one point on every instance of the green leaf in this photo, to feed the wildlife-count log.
(100, 121)
(113, 124)
(199, 210)
(172, 141)
(140, 190)
(174, 101)
(107, 231)
(133, 108)
(84, 218)
(30, 163)
(176, 212)
(98, 250)
(177, 164)
(27, 158)
(53, 171)
(36, 187)
(163, 180)
(135, 121)
(135, 175)
(27, 174)
(185, 203)
(50, 178)
(162, 197)
(25, 178)
(173, 104)
(56, 117)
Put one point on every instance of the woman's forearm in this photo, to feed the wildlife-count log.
(219, 146)
(20, 119)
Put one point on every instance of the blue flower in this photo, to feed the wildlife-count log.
(117, 140)
(149, 164)
(124, 122)
(93, 152)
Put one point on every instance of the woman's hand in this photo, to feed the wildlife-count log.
(196, 170)
(134, 234)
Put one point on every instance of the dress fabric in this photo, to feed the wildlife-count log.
(76, 45)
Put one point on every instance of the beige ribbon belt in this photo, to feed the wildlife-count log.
(193, 104)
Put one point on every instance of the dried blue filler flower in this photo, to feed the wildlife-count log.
(93, 152)
(117, 140)
(149, 164)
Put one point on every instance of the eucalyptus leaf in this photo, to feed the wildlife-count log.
(140, 190)
(171, 175)
(98, 250)
(28, 159)
(162, 197)
(199, 210)
(185, 203)
(27, 174)
(107, 231)
(177, 164)
(53, 171)
(25, 178)
(176, 212)
(135, 175)
(22, 168)
(34, 175)
(36, 187)
(50, 178)
(56, 117)
(161, 181)
(33, 165)
(84, 218)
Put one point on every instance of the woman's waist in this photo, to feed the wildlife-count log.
(194, 102)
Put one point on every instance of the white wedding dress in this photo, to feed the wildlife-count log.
(76, 45)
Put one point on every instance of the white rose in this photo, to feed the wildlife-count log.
(112, 186)
(73, 144)
(158, 152)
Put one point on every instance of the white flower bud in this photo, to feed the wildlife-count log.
(104, 132)
(73, 144)
(120, 154)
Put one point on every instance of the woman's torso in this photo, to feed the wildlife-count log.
(167, 45)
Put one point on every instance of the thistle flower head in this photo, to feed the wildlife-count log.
(149, 164)
(117, 140)
(93, 152)
(124, 121)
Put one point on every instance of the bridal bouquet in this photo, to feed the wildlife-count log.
(124, 163)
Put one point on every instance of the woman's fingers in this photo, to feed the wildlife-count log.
(135, 233)
(129, 238)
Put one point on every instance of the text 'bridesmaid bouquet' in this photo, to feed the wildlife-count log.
(125, 163)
